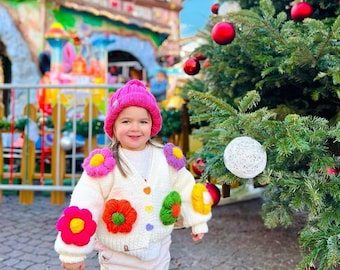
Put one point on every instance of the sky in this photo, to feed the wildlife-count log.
(194, 16)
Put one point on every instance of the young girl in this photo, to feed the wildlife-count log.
(131, 193)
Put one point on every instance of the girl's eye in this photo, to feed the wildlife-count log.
(125, 121)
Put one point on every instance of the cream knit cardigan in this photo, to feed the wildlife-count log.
(92, 193)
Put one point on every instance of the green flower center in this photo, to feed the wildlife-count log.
(118, 218)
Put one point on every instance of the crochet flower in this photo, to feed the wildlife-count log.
(171, 208)
(174, 156)
(201, 199)
(99, 163)
(119, 216)
(76, 226)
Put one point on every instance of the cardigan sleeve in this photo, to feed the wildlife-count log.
(196, 201)
(77, 226)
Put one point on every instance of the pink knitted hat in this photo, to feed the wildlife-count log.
(133, 93)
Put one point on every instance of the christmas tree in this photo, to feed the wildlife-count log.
(274, 77)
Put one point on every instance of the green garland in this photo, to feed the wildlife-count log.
(171, 122)
(82, 126)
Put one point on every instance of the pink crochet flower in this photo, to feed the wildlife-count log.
(99, 163)
(76, 226)
(174, 156)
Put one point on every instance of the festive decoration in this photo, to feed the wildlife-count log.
(228, 7)
(199, 56)
(206, 63)
(82, 127)
(171, 208)
(66, 141)
(119, 216)
(174, 156)
(56, 37)
(298, 128)
(201, 199)
(214, 192)
(301, 11)
(214, 8)
(99, 162)
(245, 157)
(198, 167)
(76, 226)
(331, 171)
(192, 66)
(223, 33)
(68, 57)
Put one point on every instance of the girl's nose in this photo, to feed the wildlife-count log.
(134, 126)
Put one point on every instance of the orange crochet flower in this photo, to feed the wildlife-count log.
(119, 216)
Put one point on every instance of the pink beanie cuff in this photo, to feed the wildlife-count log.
(133, 93)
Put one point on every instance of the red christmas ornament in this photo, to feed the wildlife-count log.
(301, 11)
(214, 192)
(331, 171)
(214, 8)
(192, 66)
(223, 33)
(200, 56)
(198, 167)
(206, 63)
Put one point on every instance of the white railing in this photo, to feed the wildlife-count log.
(28, 167)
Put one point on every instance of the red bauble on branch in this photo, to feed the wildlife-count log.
(198, 166)
(206, 63)
(331, 171)
(214, 192)
(223, 33)
(199, 56)
(191, 66)
(301, 11)
(214, 8)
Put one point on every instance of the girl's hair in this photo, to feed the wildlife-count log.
(114, 146)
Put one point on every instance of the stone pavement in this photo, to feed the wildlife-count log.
(237, 239)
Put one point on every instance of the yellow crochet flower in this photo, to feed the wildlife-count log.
(201, 199)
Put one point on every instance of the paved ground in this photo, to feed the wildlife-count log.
(237, 239)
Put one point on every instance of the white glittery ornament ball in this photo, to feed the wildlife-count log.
(245, 157)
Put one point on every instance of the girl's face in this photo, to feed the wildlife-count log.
(132, 128)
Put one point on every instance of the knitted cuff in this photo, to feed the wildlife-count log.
(200, 228)
(71, 259)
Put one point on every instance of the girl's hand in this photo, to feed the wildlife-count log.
(73, 266)
(197, 237)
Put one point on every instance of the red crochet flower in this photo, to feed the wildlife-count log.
(76, 226)
(119, 216)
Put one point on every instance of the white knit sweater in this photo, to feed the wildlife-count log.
(92, 193)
